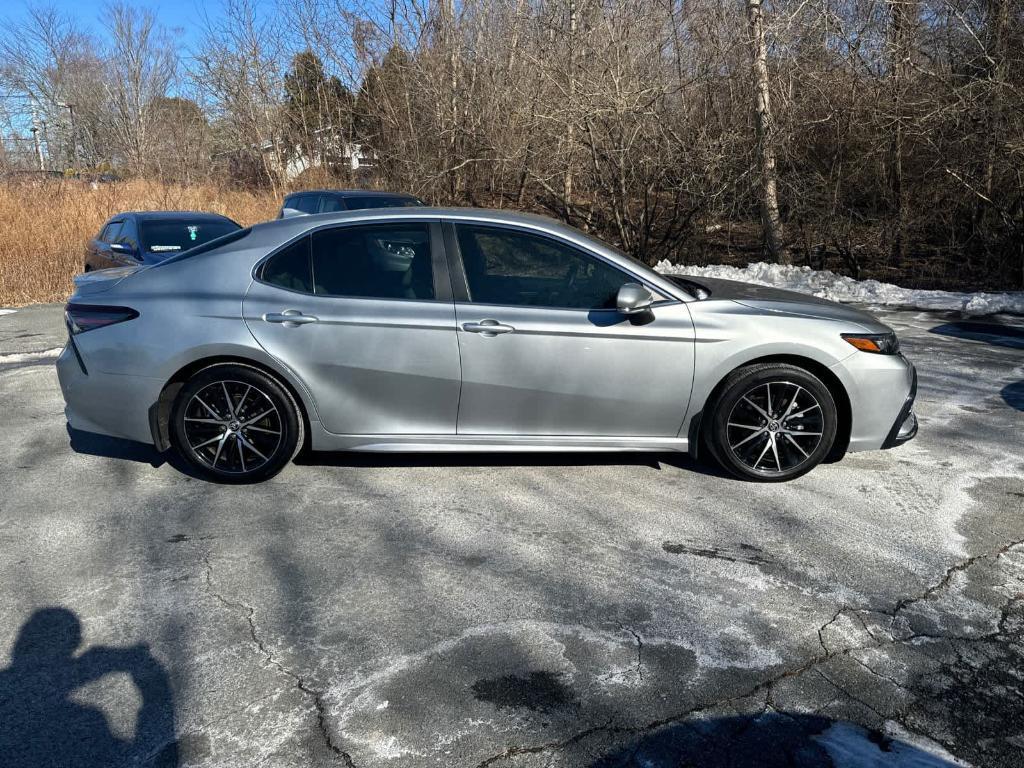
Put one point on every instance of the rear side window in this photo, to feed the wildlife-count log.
(174, 235)
(383, 261)
(290, 268)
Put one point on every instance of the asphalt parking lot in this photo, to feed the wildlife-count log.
(566, 610)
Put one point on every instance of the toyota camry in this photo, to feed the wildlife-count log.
(419, 329)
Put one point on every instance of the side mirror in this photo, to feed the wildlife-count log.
(633, 299)
(123, 249)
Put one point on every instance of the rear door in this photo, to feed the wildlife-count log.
(364, 314)
(545, 352)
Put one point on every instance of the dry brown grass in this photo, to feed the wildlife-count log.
(44, 225)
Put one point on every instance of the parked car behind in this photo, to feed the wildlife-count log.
(134, 237)
(331, 200)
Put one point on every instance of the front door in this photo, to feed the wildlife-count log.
(544, 351)
(359, 314)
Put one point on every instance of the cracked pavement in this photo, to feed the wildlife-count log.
(563, 610)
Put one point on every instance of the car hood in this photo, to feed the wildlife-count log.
(769, 299)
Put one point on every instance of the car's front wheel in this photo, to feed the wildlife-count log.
(772, 422)
(234, 424)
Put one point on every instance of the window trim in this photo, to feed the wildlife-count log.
(460, 283)
(439, 265)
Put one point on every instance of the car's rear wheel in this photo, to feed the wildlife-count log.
(234, 424)
(772, 422)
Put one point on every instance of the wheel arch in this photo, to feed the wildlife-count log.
(160, 412)
(828, 378)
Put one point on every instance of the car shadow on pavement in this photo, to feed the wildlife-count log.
(772, 739)
(42, 718)
(1013, 394)
(554, 459)
(93, 444)
(997, 334)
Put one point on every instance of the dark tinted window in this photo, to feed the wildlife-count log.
(290, 268)
(384, 261)
(128, 234)
(329, 204)
(306, 203)
(173, 235)
(111, 231)
(505, 266)
(381, 201)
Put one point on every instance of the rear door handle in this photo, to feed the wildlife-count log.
(487, 328)
(290, 318)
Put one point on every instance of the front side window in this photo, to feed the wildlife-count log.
(127, 235)
(110, 232)
(306, 203)
(380, 261)
(512, 267)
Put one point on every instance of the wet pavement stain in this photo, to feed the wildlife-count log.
(747, 553)
(541, 691)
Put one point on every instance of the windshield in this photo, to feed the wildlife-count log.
(171, 236)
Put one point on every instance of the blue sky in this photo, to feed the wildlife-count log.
(183, 15)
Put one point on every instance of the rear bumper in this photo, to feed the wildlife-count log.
(107, 404)
(904, 429)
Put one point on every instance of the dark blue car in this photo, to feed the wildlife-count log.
(147, 237)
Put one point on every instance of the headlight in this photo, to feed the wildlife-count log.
(878, 343)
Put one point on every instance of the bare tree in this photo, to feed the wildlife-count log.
(774, 235)
(140, 67)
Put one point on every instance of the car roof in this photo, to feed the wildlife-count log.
(172, 215)
(350, 193)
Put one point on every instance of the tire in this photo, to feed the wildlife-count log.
(772, 422)
(245, 439)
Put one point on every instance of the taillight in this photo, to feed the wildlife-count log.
(85, 317)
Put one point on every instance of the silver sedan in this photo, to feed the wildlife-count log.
(468, 330)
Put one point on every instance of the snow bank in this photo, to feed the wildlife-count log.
(829, 285)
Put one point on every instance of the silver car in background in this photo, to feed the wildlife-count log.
(424, 329)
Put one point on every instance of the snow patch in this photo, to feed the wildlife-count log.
(829, 285)
(850, 746)
(26, 357)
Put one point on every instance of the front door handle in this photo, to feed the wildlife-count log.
(290, 318)
(487, 328)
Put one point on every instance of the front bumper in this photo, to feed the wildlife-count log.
(904, 429)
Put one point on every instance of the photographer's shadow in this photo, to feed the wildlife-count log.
(42, 725)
